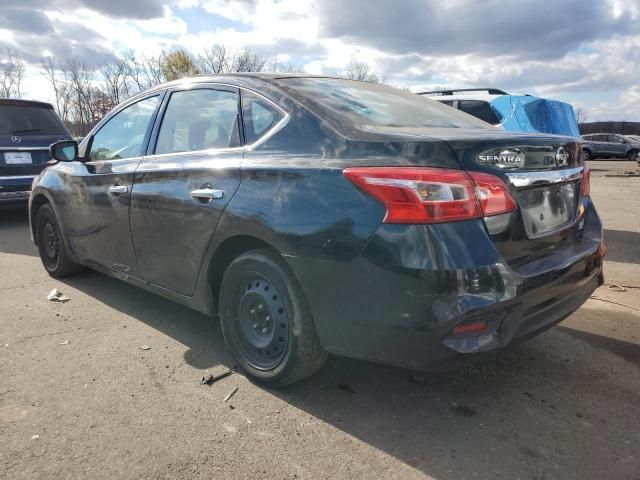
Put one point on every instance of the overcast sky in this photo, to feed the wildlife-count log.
(586, 52)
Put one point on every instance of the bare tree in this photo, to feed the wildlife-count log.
(248, 61)
(360, 71)
(285, 67)
(214, 60)
(581, 115)
(114, 76)
(11, 73)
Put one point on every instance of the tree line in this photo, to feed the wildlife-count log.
(84, 93)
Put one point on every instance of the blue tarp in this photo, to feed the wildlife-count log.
(525, 113)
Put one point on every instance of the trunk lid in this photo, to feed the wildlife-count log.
(544, 173)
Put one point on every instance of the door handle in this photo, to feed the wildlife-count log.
(207, 194)
(118, 189)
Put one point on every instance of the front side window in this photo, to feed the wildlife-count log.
(199, 119)
(372, 105)
(123, 135)
(259, 116)
(615, 139)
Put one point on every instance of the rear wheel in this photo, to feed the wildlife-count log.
(51, 247)
(266, 320)
(586, 154)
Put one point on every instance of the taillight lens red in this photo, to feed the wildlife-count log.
(430, 195)
(585, 188)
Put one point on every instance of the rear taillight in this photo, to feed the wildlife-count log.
(585, 188)
(429, 195)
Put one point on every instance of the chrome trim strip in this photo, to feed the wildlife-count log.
(23, 149)
(547, 177)
(19, 177)
(19, 194)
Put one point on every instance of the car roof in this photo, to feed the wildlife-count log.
(239, 79)
(24, 103)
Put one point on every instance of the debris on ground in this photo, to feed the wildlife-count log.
(346, 388)
(211, 379)
(56, 295)
(35, 437)
(66, 342)
(145, 347)
(231, 394)
(462, 410)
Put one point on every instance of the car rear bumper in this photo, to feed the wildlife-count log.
(15, 189)
(399, 302)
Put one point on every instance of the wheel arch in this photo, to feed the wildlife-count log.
(35, 203)
(225, 253)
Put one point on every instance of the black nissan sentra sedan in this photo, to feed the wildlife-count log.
(316, 215)
(27, 128)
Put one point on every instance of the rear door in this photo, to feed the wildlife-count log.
(182, 186)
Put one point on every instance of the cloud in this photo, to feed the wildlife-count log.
(24, 20)
(138, 9)
(522, 29)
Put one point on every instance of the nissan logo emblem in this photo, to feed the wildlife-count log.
(562, 157)
(16, 139)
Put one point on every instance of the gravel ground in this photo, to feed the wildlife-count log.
(79, 398)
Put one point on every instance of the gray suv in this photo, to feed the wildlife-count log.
(606, 145)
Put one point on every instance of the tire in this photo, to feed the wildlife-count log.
(266, 320)
(51, 245)
(586, 154)
(634, 155)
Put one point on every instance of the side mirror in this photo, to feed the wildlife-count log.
(64, 151)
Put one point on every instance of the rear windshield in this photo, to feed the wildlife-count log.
(378, 105)
(29, 120)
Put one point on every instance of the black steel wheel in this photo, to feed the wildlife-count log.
(263, 324)
(51, 246)
(266, 320)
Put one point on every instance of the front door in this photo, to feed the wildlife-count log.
(96, 216)
(182, 187)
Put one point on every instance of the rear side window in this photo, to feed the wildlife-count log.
(371, 105)
(259, 116)
(479, 109)
(25, 120)
(199, 119)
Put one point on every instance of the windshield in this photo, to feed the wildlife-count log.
(369, 104)
(633, 138)
(25, 120)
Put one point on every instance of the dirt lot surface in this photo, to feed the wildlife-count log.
(79, 398)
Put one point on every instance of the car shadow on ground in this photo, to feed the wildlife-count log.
(530, 412)
(201, 334)
(622, 246)
(14, 232)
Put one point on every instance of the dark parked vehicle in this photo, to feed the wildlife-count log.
(319, 215)
(27, 128)
(607, 145)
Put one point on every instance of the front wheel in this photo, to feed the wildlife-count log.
(634, 156)
(266, 320)
(51, 247)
